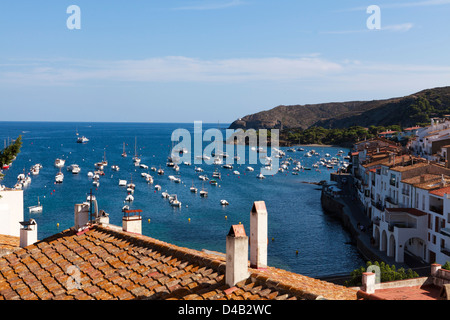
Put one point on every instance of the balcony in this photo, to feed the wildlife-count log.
(378, 205)
(437, 209)
(392, 182)
(391, 200)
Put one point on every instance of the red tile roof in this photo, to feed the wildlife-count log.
(111, 264)
(412, 211)
(424, 292)
(441, 192)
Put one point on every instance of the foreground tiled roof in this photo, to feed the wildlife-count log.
(112, 264)
(8, 244)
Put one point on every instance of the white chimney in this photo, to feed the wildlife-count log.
(258, 235)
(368, 282)
(28, 233)
(237, 255)
(81, 215)
(132, 221)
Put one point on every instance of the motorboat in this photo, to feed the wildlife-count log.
(82, 139)
(96, 183)
(143, 166)
(149, 179)
(236, 172)
(59, 163)
(165, 195)
(213, 182)
(74, 168)
(115, 168)
(198, 169)
(158, 187)
(129, 198)
(224, 202)
(99, 165)
(227, 166)
(250, 169)
(174, 202)
(160, 171)
(36, 209)
(59, 177)
(260, 176)
(35, 169)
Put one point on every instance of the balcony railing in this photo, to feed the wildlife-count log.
(391, 200)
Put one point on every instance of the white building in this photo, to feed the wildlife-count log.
(428, 140)
(11, 211)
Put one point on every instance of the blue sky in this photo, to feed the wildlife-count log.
(212, 60)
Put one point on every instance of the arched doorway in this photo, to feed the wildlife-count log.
(391, 251)
(376, 236)
(383, 244)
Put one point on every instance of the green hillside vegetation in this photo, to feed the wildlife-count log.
(344, 122)
(341, 137)
(8, 154)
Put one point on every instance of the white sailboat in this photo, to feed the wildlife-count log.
(193, 189)
(136, 158)
(124, 154)
(36, 209)
(203, 192)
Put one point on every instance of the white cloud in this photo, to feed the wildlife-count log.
(170, 69)
(399, 27)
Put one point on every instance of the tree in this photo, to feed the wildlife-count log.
(387, 273)
(10, 153)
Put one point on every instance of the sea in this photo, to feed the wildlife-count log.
(302, 238)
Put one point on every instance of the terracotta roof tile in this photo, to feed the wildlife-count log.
(118, 265)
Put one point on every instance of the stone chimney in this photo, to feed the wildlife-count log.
(132, 221)
(237, 255)
(258, 235)
(368, 282)
(28, 233)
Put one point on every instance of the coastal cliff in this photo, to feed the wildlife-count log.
(403, 111)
